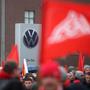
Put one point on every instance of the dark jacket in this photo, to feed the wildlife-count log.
(86, 85)
(79, 86)
(7, 83)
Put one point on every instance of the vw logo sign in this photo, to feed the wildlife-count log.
(30, 38)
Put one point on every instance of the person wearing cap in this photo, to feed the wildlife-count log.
(9, 77)
(50, 77)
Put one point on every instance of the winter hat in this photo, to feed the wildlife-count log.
(79, 74)
(71, 68)
(86, 66)
(49, 69)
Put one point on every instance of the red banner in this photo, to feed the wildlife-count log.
(13, 55)
(81, 63)
(66, 29)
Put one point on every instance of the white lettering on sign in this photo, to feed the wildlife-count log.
(73, 26)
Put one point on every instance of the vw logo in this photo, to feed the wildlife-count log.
(30, 38)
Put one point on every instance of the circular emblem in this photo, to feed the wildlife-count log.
(30, 38)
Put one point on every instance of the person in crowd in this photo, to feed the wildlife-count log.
(87, 78)
(9, 77)
(28, 82)
(79, 75)
(35, 83)
(50, 77)
(21, 78)
(86, 67)
(34, 76)
(34, 86)
(85, 85)
(71, 69)
(71, 79)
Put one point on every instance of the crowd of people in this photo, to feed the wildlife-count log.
(50, 76)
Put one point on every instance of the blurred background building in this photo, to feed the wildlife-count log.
(19, 11)
(12, 12)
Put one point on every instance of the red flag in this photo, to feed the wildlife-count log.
(13, 55)
(65, 29)
(81, 63)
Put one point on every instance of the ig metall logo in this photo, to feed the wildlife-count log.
(30, 38)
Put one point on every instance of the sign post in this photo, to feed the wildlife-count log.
(28, 40)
